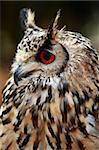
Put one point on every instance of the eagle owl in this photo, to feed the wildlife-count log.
(51, 100)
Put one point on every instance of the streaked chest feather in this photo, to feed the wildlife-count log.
(55, 114)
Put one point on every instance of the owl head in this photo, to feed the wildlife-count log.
(40, 53)
(50, 53)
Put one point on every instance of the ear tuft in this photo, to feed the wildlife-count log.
(52, 29)
(56, 19)
(27, 18)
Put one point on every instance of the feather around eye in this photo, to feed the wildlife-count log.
(46, 57)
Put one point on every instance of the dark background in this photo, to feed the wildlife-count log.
(79, 16)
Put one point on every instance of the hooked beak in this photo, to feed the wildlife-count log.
(17, 75)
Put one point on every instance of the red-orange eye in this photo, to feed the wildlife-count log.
(46, 57)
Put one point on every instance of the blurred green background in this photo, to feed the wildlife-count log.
(79, 16)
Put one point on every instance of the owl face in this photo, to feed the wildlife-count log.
(50, 53)
(39, 53)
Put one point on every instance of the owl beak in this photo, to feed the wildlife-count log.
(52, 29)
(17, 76)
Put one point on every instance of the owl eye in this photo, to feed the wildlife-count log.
(46, 57)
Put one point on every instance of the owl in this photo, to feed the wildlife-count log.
(51, 100)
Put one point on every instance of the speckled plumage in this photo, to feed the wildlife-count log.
(55, 105)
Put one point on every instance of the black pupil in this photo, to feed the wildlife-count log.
(47, 55)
